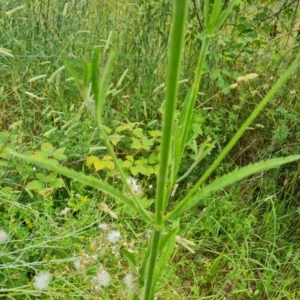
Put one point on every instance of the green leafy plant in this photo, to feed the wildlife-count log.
(176, 132)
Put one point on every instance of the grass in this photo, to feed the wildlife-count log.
(246, 236)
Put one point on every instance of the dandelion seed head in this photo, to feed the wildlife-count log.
(77, 263)
(103, 226)
(129, 281)
(3, 236)
(113, 236)
(133, 183)
(42, 280)
(103, 278)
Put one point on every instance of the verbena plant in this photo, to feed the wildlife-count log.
(175, 135)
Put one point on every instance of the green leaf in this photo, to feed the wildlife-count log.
(91, 160)
(35, 185)
(155, 133)
(166, 246)
(147, 143)
(39, 155)
(41, 177)
(87, 180)
(226, 180)
(131, 260)
(4, 136)
(115, 139)
(126, 164)
(153, 158)
(47, 148)
(139, 133)
(57, 183)
(59, 154)
(136, 144)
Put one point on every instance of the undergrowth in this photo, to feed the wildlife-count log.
(240, 243)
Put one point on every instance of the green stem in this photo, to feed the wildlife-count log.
(175, 55)
(154, 245)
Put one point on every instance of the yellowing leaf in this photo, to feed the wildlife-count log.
(115, 139)
(91, 160)
(107, 129)
(155, 133)
(130, 158)
(99, 165)
(109, 165)
(122, 128)
(107, 157)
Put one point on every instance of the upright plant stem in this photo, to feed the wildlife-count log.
(163, 180)
(149, 288)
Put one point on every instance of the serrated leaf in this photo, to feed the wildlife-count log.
(34, 185)
(142, 161)
(153, 158)
(109, 165)
(149, 170)
(59, 154)
(47, 148)
(87, 180)
(91, 160)
(227, 180)
(138, 169)
(41, 177)
(155, 133)
(126, 164)
(134, 171)
(147, 143)
(139, 133)
(57, 183)
(99, 165)
(136, 144)
(39, 155)
(130, 158)
(115, 139)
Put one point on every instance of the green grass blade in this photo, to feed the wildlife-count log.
(87, 180)
(226, 180)
(185, 119)
(100, 90)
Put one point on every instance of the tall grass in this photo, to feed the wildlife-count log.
(175, 131)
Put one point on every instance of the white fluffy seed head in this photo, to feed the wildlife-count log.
(113, 236)
(103, 278)
(129, 281)
(42, 280)
(3, 236)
